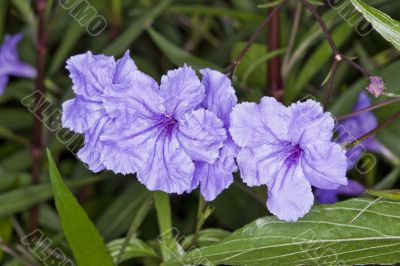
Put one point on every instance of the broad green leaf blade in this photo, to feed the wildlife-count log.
(347, 233)
(176, 54)
(82, 236)
(136, 248)
(119, 46)
(393, 194)
(382, 23)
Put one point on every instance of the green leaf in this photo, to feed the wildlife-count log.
(347, 233)
(393, 194)
(382, 23)
(84, 240)
(119, 46)
(136, 248)
(163, 208)
(22, 198)
(176, 55)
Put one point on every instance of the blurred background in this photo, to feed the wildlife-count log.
(162, 35)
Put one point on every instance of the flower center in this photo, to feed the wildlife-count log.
(167, 124)
(293, 152)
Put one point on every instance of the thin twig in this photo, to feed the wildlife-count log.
(232, 66)
(37, 145)
(369, 134)
(328, 92)
(369, 108)
(338, 56)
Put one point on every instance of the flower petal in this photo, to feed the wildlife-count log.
(182, 91)
(91, 74)
(216, 177)
(90, 153)
(253, 125)
(324, 164)
(124, 69)
(310, 123)
(127, 145)
(80, 115)
(138, 96)
(220, 95)
(259, 165)
(201, 135)
(168, 167)
(290, 196)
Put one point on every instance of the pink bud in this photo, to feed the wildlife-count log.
(376, 86)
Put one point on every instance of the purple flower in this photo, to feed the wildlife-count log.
(131, 124)
(327, 196)
(10, 65)
(376, 86)
(220, 99)
(353, 128)
(289, 149)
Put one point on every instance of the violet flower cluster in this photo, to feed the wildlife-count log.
(10, 64)
(186, 133)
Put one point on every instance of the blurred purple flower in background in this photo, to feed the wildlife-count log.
(289, 150)
(131, 124)
(355, 127)
(10, 65)
(329, 196)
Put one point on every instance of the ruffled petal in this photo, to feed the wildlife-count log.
(220, 95)
(216, 177)
(91, 74)
(324, 164)
(259, 165)
(137, 97)
(253, 125)
(310, 123)
(80, 115)
(290, 196)
(201, 135)
(330, 196)
(127, 145)
(91, 152)
(124, 69)
(168, 167)
(182, 91)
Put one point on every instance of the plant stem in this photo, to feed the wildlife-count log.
(232, 66)
(200, 220)
(37, 145)
(369, 108)
(137, 221)
(328, 92)
(163, 209)
(338, 56)
(274, 87)
(386, 123)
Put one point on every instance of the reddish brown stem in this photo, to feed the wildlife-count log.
(229, 70)
(274, 86)
(369, 134)
(37, 145)
(369, 108)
